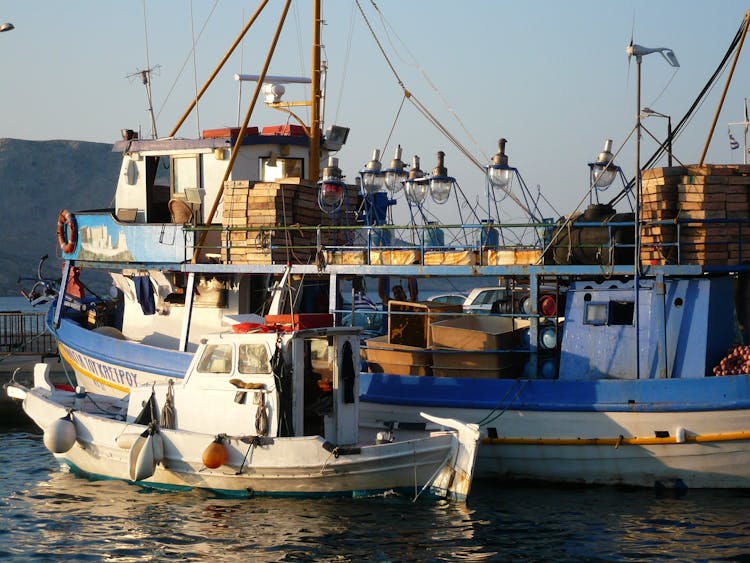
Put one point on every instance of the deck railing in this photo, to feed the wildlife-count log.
(677, 242)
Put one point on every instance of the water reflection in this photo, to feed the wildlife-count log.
(47, 513)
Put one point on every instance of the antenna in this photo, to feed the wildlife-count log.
(145, 76)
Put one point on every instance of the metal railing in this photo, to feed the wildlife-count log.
(25, 333)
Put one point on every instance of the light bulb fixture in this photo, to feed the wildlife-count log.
(331, 191)
(416, 184)
(500, 174)
(373, 178)
(603, 171)
(396, 174)
(440, 182)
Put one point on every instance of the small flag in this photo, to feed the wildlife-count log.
(733, 143)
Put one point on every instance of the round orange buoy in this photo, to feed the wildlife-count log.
(216, 454)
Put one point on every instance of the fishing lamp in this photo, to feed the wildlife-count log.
(500, 174)
(396, 174)
(331, 193)
(373, 179)
(440, 182)
(416, 184)
(603, 171)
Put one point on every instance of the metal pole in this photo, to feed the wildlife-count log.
(636, 277)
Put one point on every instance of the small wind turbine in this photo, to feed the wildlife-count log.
(639, 51)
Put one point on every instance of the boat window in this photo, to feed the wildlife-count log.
(216, 358)
(621, 312)
(253, 359)
(185, 173)
(611, 313)
(273, 168)
(596, 314)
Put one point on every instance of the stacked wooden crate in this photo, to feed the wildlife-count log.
(257, 214)
(272, 222)
(701, 206)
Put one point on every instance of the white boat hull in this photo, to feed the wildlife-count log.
(298, 466)
(709, 449)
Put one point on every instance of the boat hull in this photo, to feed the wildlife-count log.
(682, 436)
(111, 366)
(300, 466)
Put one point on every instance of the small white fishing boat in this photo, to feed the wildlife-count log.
(259, 413)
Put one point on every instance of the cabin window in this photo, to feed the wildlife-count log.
(253, 358)
(596, 314)
(274, 168)
(216, 358)
(610, 313)
(185, 173)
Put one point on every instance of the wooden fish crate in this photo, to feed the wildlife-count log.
(705, 202)
(272, 222)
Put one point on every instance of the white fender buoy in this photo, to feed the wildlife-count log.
(60, 436)
(142, 461)
(127, 439)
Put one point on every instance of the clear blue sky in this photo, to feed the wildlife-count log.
(552, 77)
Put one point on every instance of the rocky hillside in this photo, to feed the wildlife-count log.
(37, 180)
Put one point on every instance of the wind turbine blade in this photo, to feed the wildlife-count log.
(670, 57)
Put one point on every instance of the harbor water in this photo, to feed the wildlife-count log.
(49, 514)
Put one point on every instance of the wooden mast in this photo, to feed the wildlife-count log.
(314, 168)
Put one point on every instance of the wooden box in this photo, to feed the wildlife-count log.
(409, 323)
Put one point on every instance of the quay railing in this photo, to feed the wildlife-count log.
(24, 333)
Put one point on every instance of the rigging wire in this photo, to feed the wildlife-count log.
(300, 58)
(699, 100)
(242, 70)
(429, 116)
(195, 72)
(415, 64)
(187, 60)
(347, 56)
(148, 66)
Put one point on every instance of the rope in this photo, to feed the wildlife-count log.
(254, 442)
(490, 417)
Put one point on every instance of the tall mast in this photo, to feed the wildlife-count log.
(315, 97)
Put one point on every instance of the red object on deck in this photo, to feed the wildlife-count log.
(301, 320)
(227, 132)
(285, 130)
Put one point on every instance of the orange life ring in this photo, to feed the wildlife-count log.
(67, 231)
